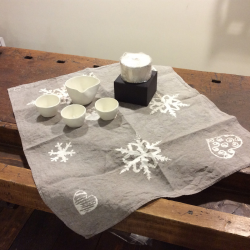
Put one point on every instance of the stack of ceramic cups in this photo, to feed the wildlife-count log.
(82, 90)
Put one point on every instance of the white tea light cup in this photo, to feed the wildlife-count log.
(47, 105)
(82, 89)
(135, 67)
(107, 108)
(73, 115)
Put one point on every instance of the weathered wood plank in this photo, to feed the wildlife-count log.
(229, 92)
(164, 220)
(11, 223)
(230, 95)
(9, 134)
(235, 187)
(213, 197)
(17, 186)
(15, 70)
(13, 156)
(189, 226)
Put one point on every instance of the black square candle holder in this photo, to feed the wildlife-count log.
(136, 93)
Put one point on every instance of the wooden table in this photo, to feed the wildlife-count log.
(185, 221)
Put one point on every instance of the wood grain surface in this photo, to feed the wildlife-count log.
(164, 220)
(175, 221)
(17, 186)
(45, 231)
(19, 66)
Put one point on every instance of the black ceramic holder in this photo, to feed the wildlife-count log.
(136, 93)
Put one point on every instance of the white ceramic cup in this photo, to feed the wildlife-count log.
(73, 115)
(107, 108)
(47, 105)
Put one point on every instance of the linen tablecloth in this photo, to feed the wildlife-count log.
(94, 176)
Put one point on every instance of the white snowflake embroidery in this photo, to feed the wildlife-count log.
(62, 152)
(166, 104)
(141, 155)
(60, 92)
(31, 103)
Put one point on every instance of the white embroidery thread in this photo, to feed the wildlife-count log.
(166, 104)
(62, 152)
(60, 92)
(84, 203)
(141, 155)
(224, 146)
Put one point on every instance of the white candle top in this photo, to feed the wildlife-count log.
(135, 60)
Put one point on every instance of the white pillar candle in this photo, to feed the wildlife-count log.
(135, 67)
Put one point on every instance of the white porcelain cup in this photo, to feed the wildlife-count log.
(107, 108)
(47, 105)
(74, 115)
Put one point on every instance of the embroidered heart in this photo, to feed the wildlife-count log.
(224, 146)
(84, 203)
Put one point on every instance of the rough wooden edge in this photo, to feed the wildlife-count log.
(9, 134)
(164, 220)
(17, 186)
(189, 226)
(21, 53)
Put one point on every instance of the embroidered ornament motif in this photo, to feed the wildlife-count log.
(141, 155)
(224, 146)
(166, 104)
(60, 92)
(84, 203)
(62, 152)
(92, 115)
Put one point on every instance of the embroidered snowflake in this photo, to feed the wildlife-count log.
(141, 155)
(31, 103)
(166, 104)
(62, 152)
(60, 92)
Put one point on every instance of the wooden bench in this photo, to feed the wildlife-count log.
(185, 221)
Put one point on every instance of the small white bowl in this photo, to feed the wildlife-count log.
(107, 108)
(73, 115)
(47, 105)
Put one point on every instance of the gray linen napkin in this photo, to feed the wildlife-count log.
(94, 176)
